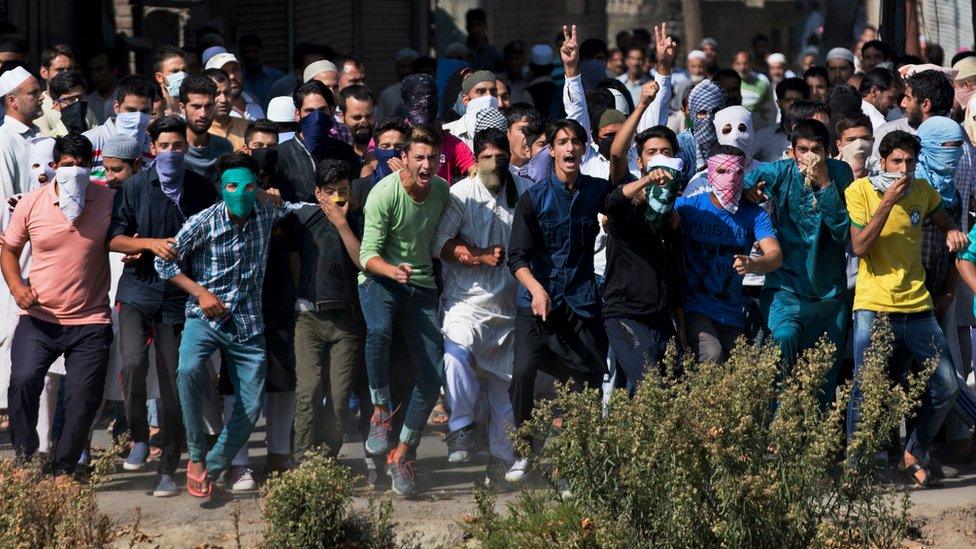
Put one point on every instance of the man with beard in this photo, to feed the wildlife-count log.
(772, 140)
(225, 125)
(314, 106)
(357, 103)
(479, 302)
(197, 102)
(153, 206)
(245, 105)
(397, 288)
(21, 96)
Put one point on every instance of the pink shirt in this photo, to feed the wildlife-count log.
(69, 262)
(456, 159)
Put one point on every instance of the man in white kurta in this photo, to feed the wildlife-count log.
(21, 96)
(479, 302)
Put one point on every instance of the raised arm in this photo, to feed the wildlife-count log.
(574, 98)
(657, 113)
(624, 140)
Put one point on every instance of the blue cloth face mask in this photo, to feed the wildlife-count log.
(383, 157)
(169, 168)
(315, 132)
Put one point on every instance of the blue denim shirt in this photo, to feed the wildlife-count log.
(553, 233)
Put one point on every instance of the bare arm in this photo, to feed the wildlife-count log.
(540, 298)
(770, 260)
(967, 272)
(955, 239)
(24, 295)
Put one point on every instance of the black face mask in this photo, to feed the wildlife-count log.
(73, 116)
(266, 158)
(605, 143)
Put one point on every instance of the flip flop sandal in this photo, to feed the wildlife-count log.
(201, 481)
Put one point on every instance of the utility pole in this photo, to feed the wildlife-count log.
(692, 23)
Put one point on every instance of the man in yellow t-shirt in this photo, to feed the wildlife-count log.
(887, 212)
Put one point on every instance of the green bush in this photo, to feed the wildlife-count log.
(38, 510)
(738, 455)
(311, 506)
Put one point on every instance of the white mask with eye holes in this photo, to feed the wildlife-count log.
(733, 126)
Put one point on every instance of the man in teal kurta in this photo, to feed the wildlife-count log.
(807, 297)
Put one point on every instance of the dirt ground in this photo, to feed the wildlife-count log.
(947, 515)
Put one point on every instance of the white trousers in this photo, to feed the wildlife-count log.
(471, 399)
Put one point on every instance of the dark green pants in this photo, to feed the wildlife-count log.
(329, 359)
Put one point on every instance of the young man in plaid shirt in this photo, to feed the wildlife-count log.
(228, 247)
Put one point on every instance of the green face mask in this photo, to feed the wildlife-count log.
(240, 201)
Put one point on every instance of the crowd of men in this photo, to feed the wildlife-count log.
(221, 239)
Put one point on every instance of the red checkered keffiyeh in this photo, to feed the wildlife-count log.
(728, 184)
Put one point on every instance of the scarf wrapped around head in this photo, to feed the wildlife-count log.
(728, 185)
(706, 96)
(735, 116)
(419, 94)
(660, 198)
(937, 164)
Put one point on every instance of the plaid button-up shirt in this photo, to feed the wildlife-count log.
(935, 255)
(229, 261)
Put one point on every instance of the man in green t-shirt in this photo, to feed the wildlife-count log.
(397, 288)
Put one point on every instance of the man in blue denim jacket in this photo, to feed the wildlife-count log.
(558, 328)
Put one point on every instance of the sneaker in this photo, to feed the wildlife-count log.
(942, 471)
(460, 444)
(495, 472)
(378, 441)
(241, 479)
(137, 457)
(166, 487)
(400, 468)
(518, 471)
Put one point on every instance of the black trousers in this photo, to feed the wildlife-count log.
(136, 330)
(566, 346)
(36, 344)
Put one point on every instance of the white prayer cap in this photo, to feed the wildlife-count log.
(841, 53)
(281, 109)
(776, 59)
(541, 55)
(318, 67)
(13, 78)
(697, 54)
(218, 61)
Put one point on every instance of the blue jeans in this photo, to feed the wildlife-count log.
(413, 311)
(637, 345)
(917, 336)
(246, 368)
